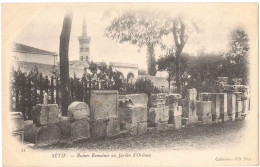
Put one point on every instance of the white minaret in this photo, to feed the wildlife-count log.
(84, 41)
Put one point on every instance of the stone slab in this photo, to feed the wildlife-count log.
(41, 136)
(177, 122)
(164, 114)
(45, 114)
(245, 106)
(223, 102)
(103, 104)
(215, 101)
(141, 128)
(113, 127)
(17, 121)
(231, 104)
(191, 94)
(18, 135)
(224, 117)
(99, 129)
(133, 114)
(203, 107)
(189, 108)
(80, 129)
(205, 119)
(155, 115)
(239, 106)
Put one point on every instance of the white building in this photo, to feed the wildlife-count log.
(128, 71)
(24, 53)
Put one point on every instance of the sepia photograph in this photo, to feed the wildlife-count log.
(130, 84)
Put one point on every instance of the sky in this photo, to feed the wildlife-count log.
(215, 22)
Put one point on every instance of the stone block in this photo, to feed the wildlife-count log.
(223, 102)
(45, 114)
(191, 94)
(215, 118)
(174, 113)
(99, 129)
(237, 81)
(162, 126)
(164, 114)
(133, 114)
(41, 136)
(238, 95)
(193, 119)
(239, 115)
(244, 106)
(231, 104)
(65, 127)
(184, 121)
(17, 121)
(203, 107)
(189, 108)
(205, 118)
(155, 115)
(215, 101)
(177, 122)
(239, 106)
(136, 99)
(141, 128)
(80, 129)
(179, 111)
(224, 117)
(131, 128)
(158, 100)
(113, 127)
(232, 117)
(172, 100)
(103, 104)
(78, 110)
(18, 135)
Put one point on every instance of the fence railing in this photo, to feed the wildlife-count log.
(27, 90)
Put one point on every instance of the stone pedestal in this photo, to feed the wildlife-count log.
(177, 122)
(239, 110)
(204, 112)
(231, 105)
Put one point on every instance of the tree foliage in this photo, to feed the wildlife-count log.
(235, 61)
(167, 63)
(141, 29)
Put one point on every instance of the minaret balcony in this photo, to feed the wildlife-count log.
(84, 39)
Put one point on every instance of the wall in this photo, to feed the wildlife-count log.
(35, 58)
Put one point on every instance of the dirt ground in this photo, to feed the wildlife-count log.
(188, 138)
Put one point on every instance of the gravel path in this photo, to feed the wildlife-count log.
(188, 138)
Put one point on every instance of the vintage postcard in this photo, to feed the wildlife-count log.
(130, 84)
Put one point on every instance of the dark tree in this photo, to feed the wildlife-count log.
(167, 63)
(178, 31)
(64, 62)
(235, 64)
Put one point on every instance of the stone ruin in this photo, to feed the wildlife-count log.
(110, 114)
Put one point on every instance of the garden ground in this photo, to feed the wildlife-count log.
(188, 138)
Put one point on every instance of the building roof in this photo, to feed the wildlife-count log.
(17, 47)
